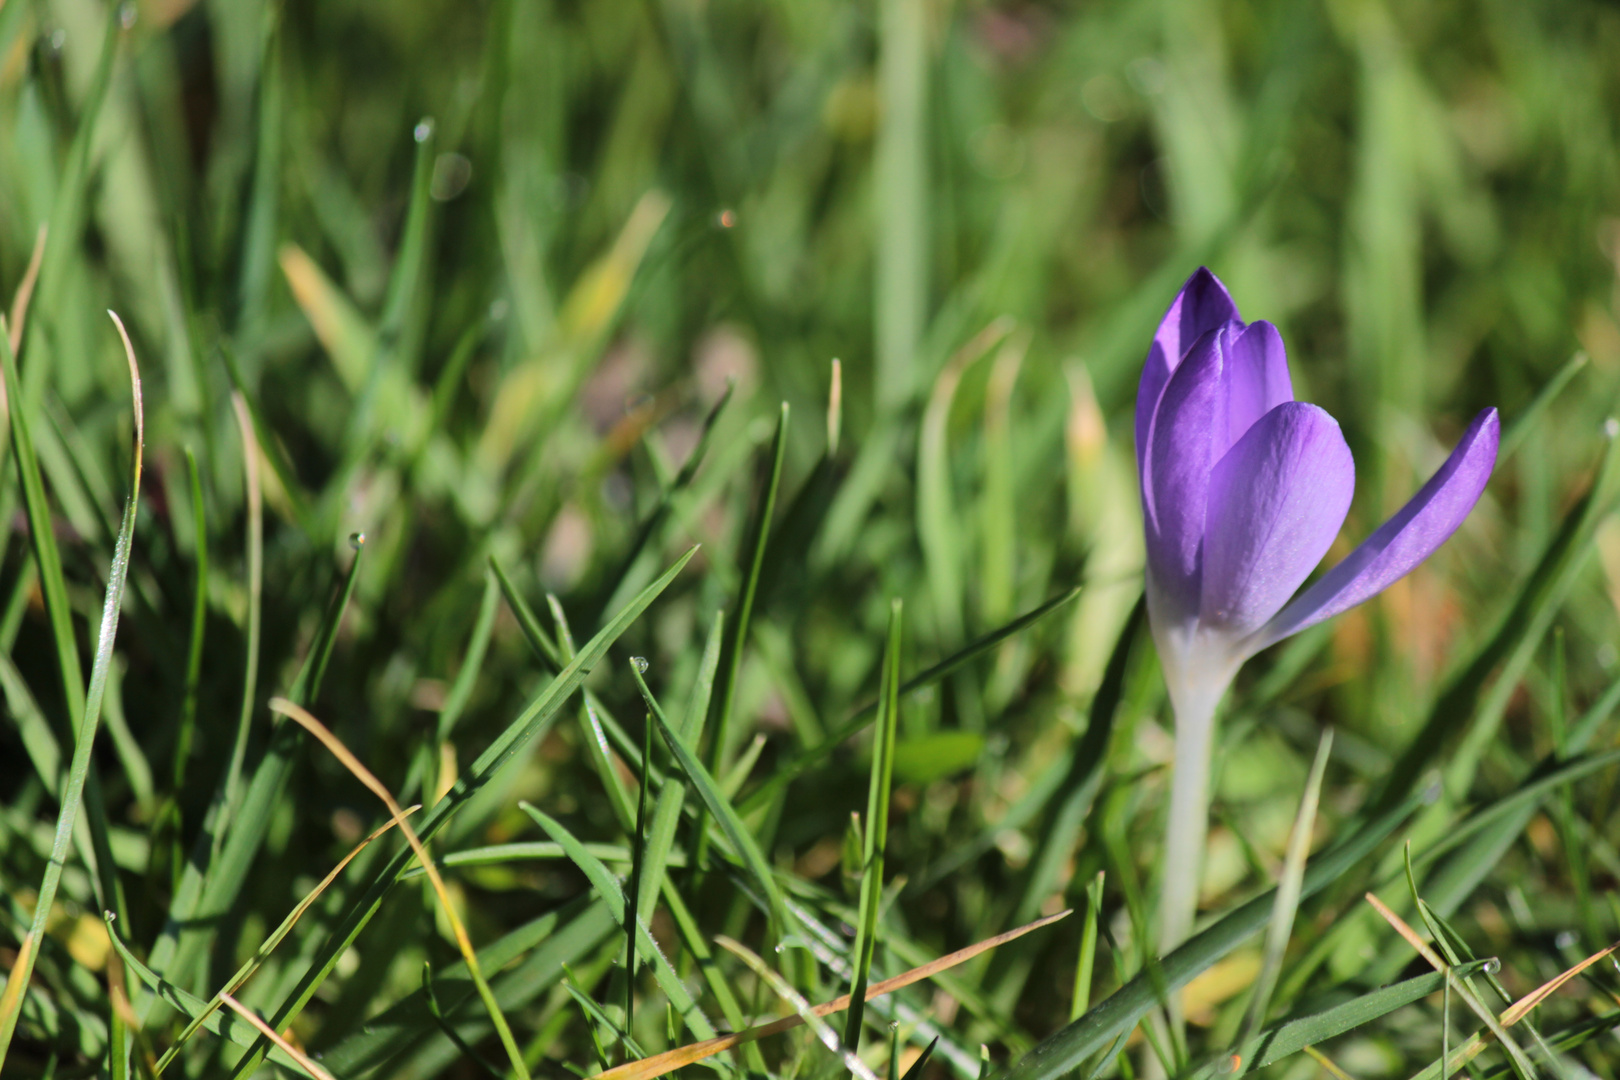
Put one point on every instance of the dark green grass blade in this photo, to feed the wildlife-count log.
(720, 808)
(1069, 1048)
(879, 788)
(536, 634)
(535, 719)
(450, 1032)
(797, 765)
(731, 665)
(1290, 1037)
(194, 655)
(531, 960)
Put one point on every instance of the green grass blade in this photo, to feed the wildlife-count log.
(536, 635)
(90, 715)
(879, 788)
(796, 766)
(747, 848)
(607, 887)
(255, 594)
(754, 551)
(1515, 433)
(1281, 927)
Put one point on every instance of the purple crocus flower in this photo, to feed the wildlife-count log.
(1243, 492)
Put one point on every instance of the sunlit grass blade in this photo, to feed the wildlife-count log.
(879, 788)
(787, 771)
(1281, 927)
(1088, 949)
(807, 1013)
(89, 701)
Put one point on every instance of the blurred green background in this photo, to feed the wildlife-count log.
(480, 270)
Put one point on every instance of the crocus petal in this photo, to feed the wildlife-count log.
(1185, 436)
(1405, 540)
(1202, 305)
(1256, 378)
(1276, 501)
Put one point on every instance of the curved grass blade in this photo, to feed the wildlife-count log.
(789, 770)
(1069, 1048)
(468, 954)
(90, 714)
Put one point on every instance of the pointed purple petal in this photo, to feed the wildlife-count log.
(1185, 436)
(1202, 304)
(1257, 378)
(1405, 540)
(1276, 501)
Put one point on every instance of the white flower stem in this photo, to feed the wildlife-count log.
(1188, 823)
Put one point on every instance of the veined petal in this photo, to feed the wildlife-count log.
(1405, 540)
(1202, 305)
(1186, 435)
(1257, 379)
(1276, 501)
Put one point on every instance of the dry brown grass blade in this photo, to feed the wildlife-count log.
(270, 1033)
(12, 998)
(25, 292)
(332, 743)
(1521, 1008)
(670, 1060)
(1327, 1064)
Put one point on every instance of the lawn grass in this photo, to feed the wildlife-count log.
(682, 453)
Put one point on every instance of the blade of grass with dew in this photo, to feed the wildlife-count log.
(721, 810)
(90, 715)
(1069, 1048)
(607, 887)
(790, 769)
(879, 788)
(533, 721)
(458, 929)
(753, 551)
(1281, 927)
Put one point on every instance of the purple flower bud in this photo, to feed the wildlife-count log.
(1244, 490)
